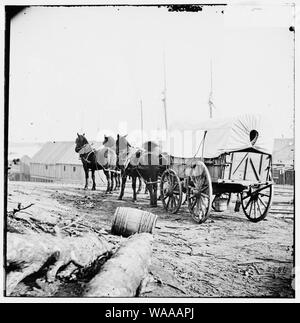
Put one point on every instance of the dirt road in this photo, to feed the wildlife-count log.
(228, 256)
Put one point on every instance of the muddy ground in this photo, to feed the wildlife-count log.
(227, 256)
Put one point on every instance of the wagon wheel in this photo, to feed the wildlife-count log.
(257, 201)
(170, 191)
(228, 196)
(199, 194)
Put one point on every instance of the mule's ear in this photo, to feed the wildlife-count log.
(83, 134)
(77, 134)
(125, 136)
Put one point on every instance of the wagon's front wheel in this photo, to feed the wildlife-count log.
(199, 193)
(257, 201)
(170, 191)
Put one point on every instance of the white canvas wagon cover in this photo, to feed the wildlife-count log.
(246, 132)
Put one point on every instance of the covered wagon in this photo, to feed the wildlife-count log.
(232, 156)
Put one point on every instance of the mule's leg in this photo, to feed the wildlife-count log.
(123, 177)
(115, 175)
(134, 188)
(140, 185)
(111, 176)
(86, 170)
(94, 182)
(108, 180)
(111, 181)
(118, 180)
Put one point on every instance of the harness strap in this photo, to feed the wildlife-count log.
(85, 149)
(86, 158)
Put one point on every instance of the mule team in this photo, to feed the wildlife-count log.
(118, 157)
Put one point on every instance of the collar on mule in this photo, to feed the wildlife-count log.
(85, 149)
(85, 152)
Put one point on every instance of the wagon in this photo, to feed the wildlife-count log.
(233, 157)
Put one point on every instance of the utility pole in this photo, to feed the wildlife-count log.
(82, 119)
(210, 103)
(142, 122)
(165, 96)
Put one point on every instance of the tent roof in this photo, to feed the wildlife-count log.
(227, 135)
(62, 152)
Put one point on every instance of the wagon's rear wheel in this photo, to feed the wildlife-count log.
(170, 191)
(199, 193)
(257, 201)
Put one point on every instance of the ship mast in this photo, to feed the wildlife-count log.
(164, 99)
(142, 122)
(210, 102)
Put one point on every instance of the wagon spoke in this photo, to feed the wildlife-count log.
(251, 208)
(247, 195)
(246, 207)
(263, 194)
(165, 197)
(171, 190)
(204, 188)
(168, 203)
(263, 188)
(205, 195)
(263, 203)
(203, 205)
(172, 202)
(194, 203)
(198, 206)
(258, 207)
(254, 209)
(176, 198)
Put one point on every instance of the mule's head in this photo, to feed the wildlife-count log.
(105, 140)
(122, 143)
(80, 142)
(109, 141)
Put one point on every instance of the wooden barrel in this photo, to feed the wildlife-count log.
(220, 204)
(128, 221)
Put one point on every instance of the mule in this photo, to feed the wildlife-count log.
(101, 159)
(147, 163)
(111, 143)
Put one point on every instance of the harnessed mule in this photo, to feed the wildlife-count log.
(147, 163)
(102, 159)
(111, 143)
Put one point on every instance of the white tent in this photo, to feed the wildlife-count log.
(242, 133)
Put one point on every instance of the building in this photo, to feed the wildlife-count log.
(283, 161)
(57, 161)
(19, 169)
(19, 157)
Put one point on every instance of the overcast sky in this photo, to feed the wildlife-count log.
(85, 69)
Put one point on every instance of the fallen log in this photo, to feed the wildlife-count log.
(29, 253)
(123, 273)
